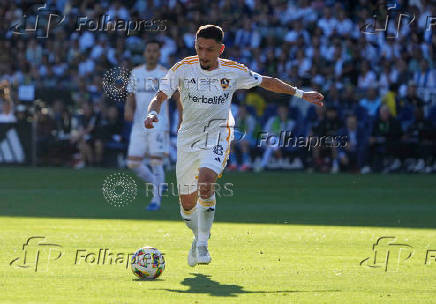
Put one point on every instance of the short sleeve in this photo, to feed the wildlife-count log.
(248, 79)
(170, 82)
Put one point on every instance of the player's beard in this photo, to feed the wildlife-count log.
(203, 65)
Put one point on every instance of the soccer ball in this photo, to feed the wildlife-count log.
(148, 263)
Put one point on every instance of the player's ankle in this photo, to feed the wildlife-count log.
(201, 243)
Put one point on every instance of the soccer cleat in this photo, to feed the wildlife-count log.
(203, 256)
(192, 255)
(153, 206)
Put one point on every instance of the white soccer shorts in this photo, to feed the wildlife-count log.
(189, 163)
(146, 143)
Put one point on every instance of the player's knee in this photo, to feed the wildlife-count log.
(188, 201)
(156, 162)
(133, 164)
(207, 176)
(206, 182)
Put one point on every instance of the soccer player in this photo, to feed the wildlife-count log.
(150, 143)
(206, 84)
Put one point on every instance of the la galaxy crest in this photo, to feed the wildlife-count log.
(225, 83)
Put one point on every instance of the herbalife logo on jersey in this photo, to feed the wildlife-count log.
(221, 99)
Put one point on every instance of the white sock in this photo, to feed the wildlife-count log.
(191, 218)
(159, 179)
(266, 156)
(206, 214)
(143, 172)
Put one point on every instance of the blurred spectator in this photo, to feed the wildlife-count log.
(371, 103)
(108, 133)
(274, 129)
(324, 156)
(421, 139)
(257, 101)
(83, 134)
(246, 127)
(7, 106)
(385, 142)
(352, 146)
(412, 97)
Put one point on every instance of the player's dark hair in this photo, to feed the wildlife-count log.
(153, 41)
(210, 31)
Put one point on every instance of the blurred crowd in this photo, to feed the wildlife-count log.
(373, 61)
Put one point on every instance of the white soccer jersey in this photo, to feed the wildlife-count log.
(144, 84)
(206, 97)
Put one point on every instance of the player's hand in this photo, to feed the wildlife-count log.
(151, 118)
(314, 97)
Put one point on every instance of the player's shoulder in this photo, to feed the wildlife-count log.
(232, 65)
(161, 68)
(185, 62)
(139, 68)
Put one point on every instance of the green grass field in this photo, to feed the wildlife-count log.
(281, 238)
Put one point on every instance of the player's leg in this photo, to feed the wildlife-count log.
(135, 156)
(267, 155)
(212, 164)
(233, 158)
(158, 148)
(187, 174)
(136, 164)
(246, 157)
(158, 172)
(188, 211)
(206, 205)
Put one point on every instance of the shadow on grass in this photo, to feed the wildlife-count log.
(203, 284)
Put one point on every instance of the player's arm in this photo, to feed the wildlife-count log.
(167, 87)
(154, 109)
(176, 97)
(278, 86)
(130, 107)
